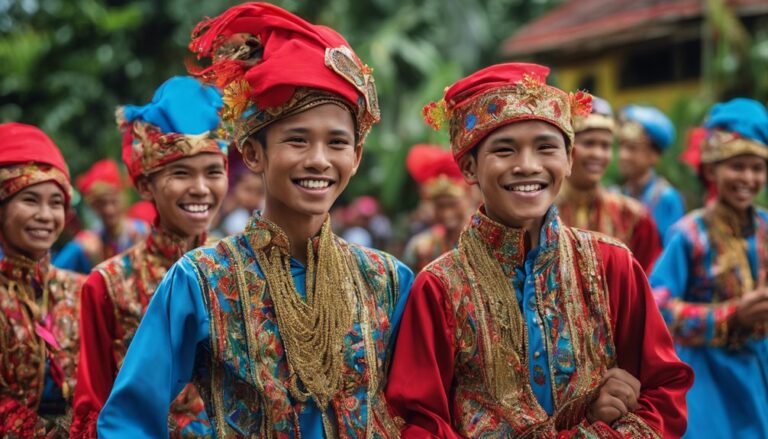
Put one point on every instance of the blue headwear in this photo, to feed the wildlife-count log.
(736, 127)
(181, 120)
(656, 124)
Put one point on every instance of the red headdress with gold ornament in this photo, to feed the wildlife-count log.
(27, 157)
(103, 176)
(435, 171)
(272, 64)
(502, 94)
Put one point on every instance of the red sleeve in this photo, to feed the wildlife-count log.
(646, 243)
(16, 420)
(644, 348)
(421, 375)
(96, 369)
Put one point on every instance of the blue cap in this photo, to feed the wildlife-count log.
(657, 125)
(746, 117)
(181, 105)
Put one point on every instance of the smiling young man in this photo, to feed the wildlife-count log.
(38, 302)
(710, 281)
(441, 184)
(529, 328)
(586, 204)
(285, 327)
(644, 135)
(102, 188)
(177, 162)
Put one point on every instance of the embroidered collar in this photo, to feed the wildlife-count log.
(168, 247)
(508, 243)
(26, 271)
(262, 232)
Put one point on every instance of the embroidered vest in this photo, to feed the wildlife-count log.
(25, 348)
(573, 306)
(244, 378)
(610, 213)
(132, 278)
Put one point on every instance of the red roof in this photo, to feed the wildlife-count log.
(577, 21)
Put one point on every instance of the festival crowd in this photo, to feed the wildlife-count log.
(522, 298)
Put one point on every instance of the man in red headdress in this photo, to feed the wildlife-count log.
(530, 328)
(285, 327)
(102, 188)
(442, 185)
(38, 302)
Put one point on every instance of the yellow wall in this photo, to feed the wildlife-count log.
(605, 69)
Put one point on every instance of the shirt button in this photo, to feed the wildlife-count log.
(536, 354)
(535, 320)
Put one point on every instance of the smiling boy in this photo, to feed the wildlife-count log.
(529, 328)
(175, 161)
(586, 204)
(285, 327)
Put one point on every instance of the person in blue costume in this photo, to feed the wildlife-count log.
(102, 188)
(285, 328)
(710, 281)
(644, 135)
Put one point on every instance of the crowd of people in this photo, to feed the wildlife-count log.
(237, 299)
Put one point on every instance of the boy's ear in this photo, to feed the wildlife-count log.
(358, 158)
(468, 167)
(708, 171)
(143, 188)
(254, 155)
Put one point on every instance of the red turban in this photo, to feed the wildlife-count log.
(27, 157)
(104, 175)
(435, 171)
(272, 64)
(499, 95)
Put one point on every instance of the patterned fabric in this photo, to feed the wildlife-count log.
(131, 280)
(17, 177)
(709, 263)
(615, 215)
(572, 324)
(39, 342)
(719, 251)
(426, 247)
(102, 177)
(601, 117)
(181, 121)
(435, 171)
(272, 64)
(90, 247)
(245, 376)
(499, 95)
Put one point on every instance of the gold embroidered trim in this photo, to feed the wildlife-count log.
(721, 145)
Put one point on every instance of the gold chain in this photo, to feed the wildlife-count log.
(312, 330)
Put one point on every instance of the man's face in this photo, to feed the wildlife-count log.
(637, 156)
(187, 193)
(738, 180)
(591, 156)
(110, 208)
(33, 219)
(308, 161)
(450, 211)
(519, 168)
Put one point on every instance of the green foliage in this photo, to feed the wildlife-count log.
(66, 64)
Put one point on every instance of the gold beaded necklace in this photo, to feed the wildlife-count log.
(312, 330)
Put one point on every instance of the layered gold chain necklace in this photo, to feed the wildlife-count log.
(313, 330)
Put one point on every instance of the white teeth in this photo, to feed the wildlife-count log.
(197, 208)
(526, 187)
(314, 184)
(39, 233)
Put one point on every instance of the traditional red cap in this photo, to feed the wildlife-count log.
(272, 64)
(103, 175)
(499, 95)
(143, 210)
(28, 156)
(435, 171)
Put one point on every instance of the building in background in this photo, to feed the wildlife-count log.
(650, 51)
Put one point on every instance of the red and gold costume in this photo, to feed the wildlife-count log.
(498, 340)
(117, 292)
(38, 304)
(437, 174)
(615, 215)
